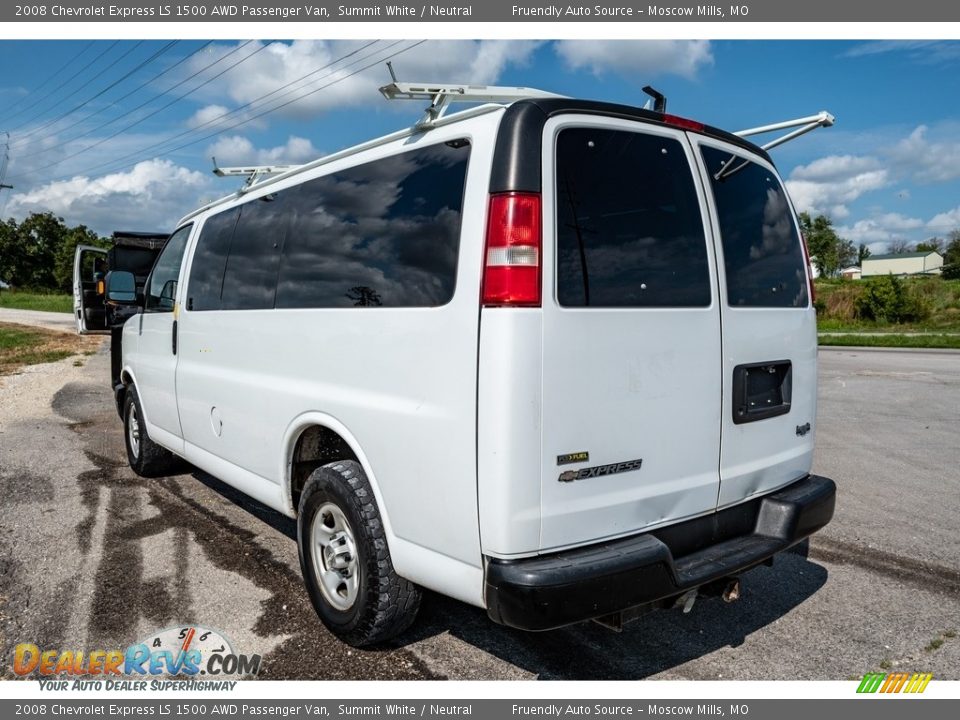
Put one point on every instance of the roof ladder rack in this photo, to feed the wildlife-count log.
(803, 125)
(441, 95)
(253, 173)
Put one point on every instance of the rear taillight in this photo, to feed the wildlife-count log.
(511, 272)
(806, 259)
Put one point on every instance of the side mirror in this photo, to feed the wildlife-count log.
(121, 288)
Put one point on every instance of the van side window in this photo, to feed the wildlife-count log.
(162, 290)
(250, 277)
(382, 234)
(210, 261)
(762, 254)
(629, 229)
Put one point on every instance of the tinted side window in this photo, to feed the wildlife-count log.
(761, 249)
(162, 291)
(629, 230)
(250, 277)
(382, 234)
(210, 261)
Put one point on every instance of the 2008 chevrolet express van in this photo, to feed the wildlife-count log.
(556, 359)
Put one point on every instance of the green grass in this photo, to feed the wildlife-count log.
(893, 340)
(21, 346)
(838, 303)
(11, 338)
(837, 306)
(36, 301)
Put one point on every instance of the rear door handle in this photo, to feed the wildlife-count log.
(173, 337)
(762, 390)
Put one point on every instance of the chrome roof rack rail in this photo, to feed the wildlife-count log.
(803, 125)
(442, 95)
(253, 173)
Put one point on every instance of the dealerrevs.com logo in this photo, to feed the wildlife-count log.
(182, 655)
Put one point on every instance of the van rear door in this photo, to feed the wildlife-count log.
(631, 332)
(769, 325)
(89, 310)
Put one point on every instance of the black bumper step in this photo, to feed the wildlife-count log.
(550, 591)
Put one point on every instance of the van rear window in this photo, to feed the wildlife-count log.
(629, 229)
(762, 254)
(382, 234)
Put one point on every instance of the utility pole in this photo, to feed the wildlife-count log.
(4, 161)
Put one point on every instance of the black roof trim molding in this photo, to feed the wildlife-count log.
(516, 157)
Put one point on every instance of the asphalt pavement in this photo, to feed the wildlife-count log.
(93, 557)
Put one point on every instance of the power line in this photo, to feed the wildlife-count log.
(53, 75)
(175, 100)
(109, 87)
(124, 97)
(246, 120)
(64, 83)
(113, 162)
(255, 101)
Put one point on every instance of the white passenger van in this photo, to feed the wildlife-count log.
(553, 358)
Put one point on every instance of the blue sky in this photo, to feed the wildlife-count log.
(81, 147)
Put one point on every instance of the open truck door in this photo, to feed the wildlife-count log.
(89, 272)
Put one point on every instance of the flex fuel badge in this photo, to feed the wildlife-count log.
(573, 458)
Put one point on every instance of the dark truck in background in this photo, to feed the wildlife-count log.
(133, 252)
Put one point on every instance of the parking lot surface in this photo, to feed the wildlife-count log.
(93, 557)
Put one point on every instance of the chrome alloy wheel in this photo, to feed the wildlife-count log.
(133, 431)
(335, 557)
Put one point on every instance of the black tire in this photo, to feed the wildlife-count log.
(146, 458)
(384, 604)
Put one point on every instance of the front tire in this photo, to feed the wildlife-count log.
(345, 561)
(146, 458)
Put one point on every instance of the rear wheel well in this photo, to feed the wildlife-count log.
(316, 446)
(120, 391)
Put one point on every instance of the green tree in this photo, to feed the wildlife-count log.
(37, 240)
(887, 298)
(899, 246)
(846, 253)
(63, 263)
(863, 252)
(934, 244)
(9, 253)
(951, 256)
(827, 249)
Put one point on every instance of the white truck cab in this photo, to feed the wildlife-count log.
(554, 358)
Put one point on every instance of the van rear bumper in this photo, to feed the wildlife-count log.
(550, 591)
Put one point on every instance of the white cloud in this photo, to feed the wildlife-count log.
(153, 195)
(928, 161)
(238, 150)
(924, 52)
(881, 229)
(945, 222)
(829, 184)
(637, 58)
(207, 116)
(835, 167)
(479, 62)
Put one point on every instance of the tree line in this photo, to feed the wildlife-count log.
(37, 253)
(831, 253)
